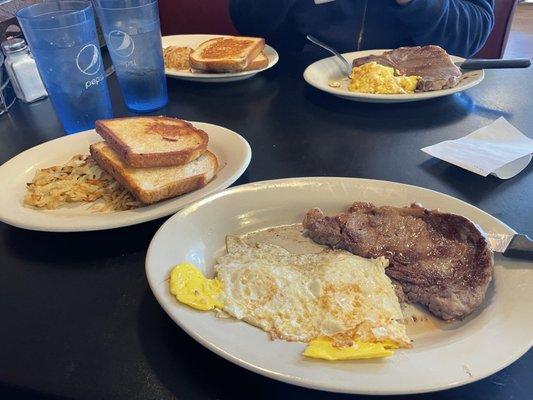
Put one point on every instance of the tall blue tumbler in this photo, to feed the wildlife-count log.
(62, 37)
(133, 37)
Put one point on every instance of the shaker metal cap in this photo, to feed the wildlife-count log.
(13, 45)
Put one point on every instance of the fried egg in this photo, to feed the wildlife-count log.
(342, 305)
(191, 287)
(324, 348)
(375, 78)
(302, 297)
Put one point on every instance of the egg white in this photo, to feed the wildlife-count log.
(302, 297)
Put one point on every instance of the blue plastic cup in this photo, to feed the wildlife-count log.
(133, 37)
(62, 37)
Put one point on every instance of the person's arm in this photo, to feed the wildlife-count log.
(459, 26)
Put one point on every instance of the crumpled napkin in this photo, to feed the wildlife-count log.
(499, 149)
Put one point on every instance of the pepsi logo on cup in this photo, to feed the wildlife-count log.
(88, 59)
(120, 43)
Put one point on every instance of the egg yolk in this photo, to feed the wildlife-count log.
(375, 78)
(191, 287)
(323, 348)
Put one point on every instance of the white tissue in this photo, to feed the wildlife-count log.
(499, 149)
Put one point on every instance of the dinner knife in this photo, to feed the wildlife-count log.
(494, 64)
(516, 245)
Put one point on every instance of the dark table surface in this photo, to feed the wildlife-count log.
(77, 317)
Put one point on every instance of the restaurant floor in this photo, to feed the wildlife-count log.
(521, 35)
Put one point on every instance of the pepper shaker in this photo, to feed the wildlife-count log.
(22, 71)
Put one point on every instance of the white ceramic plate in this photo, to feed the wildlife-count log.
(232, 150)
(443, 356)
(194, 41)
(321, 73)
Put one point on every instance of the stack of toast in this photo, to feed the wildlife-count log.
(229, 54)
(154, 158)
(221, 54)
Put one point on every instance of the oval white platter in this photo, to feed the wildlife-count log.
(322, 72)
(444, 355)
(232, 150)
(194, 41)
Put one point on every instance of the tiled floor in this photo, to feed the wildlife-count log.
(520, 44)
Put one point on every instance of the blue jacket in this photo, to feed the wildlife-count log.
(459, 26)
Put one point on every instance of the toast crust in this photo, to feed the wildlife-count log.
(156, 159)
(259, 62)
(119, 171)
(224, 54)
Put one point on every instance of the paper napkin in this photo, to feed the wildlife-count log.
(499, 149)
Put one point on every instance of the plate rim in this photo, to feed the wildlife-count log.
(139, 219)
(386, 98)
(288, 378)
(217, 77)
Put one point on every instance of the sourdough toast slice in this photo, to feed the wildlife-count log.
(259, 62)
(150, 185)
(153, 141)
(226, 54)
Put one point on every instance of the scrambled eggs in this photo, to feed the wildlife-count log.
(342, 305)
(375, 78)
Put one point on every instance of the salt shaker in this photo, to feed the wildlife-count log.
(22, 71)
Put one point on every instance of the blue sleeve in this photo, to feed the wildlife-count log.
(459, 26)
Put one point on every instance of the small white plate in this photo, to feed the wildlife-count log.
(233, 152)
(444, 355)
(193, 41)
(322, 72)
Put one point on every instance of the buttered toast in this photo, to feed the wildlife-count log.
(226, 54)
(150, 185)
(153, 141)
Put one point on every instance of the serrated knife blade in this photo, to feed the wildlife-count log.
(511, 245)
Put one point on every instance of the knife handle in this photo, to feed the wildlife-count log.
(521, 246)
(491, 64)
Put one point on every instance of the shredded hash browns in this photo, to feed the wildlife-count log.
(79, 180)
(177, 57)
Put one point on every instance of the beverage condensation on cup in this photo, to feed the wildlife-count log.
(63, 40)
(133, 36)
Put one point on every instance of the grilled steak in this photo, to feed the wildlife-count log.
(440, 260)
(431, 63)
